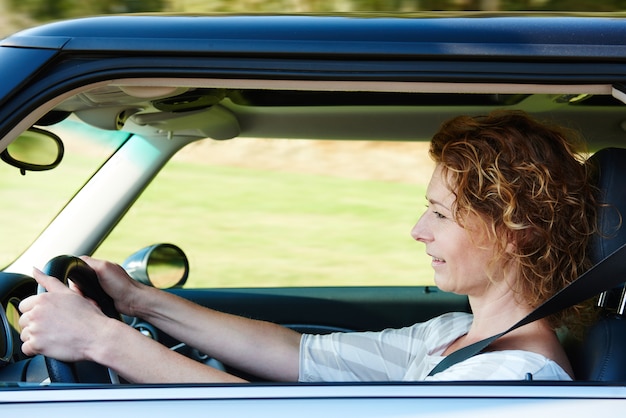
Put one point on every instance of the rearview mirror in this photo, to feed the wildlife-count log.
(160, 265)
(34, 150)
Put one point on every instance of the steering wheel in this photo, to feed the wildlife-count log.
(67, 267)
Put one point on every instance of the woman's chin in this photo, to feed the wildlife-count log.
(442, 284)
(445, 286)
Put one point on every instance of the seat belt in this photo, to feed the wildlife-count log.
(609, 273)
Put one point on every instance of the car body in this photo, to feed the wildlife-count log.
(137, 92)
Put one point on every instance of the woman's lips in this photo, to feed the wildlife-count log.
(436, 261)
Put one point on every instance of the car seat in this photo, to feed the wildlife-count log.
(602, 354)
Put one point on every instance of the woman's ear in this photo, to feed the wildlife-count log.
(513, 238)
(510, 248)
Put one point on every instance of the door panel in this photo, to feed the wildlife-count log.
(349, 308)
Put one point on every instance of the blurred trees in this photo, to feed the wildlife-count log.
(56, 9)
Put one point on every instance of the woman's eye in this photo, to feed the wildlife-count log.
(438, 215)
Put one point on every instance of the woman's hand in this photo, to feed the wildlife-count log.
(117, 284)
(60, 323)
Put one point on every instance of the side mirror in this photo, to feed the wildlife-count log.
(160, 265)
(34, 150)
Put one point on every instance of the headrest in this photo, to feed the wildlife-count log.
(610, 178)
(609, 166)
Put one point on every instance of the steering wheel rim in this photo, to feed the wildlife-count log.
(65, 268)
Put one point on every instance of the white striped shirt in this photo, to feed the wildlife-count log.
(409, 354)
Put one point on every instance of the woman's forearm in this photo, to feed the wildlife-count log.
(140, 359)
(261, 348)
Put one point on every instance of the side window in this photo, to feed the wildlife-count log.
(261, 213)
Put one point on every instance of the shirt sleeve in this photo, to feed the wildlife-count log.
(375, 356)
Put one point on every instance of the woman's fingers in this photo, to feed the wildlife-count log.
(48, 282)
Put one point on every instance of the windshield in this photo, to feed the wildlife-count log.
(30, 201)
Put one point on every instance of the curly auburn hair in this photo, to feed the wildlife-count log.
(529, 183)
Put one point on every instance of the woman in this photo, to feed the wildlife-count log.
(509, 214)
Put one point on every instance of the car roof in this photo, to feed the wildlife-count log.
(562, 37)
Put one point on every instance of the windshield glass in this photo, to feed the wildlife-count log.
(30, 201)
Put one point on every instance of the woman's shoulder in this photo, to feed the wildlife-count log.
(521, 362)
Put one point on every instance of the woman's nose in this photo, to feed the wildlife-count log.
(420, 231)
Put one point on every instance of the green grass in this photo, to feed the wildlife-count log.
(245, 227)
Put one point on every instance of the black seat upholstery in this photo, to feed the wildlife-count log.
(602, 355)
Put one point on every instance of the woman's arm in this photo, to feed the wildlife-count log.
(64, 325)
(257, 347)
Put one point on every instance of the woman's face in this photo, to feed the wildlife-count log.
(462, 257)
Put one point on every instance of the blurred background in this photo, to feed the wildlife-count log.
(19, 14)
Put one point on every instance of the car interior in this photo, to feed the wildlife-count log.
(155, 109)
(317, 110)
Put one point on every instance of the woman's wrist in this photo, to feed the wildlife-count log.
(111, 334)
(140, 300)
